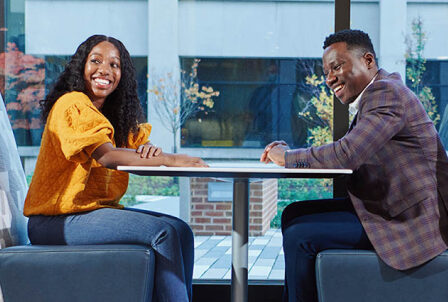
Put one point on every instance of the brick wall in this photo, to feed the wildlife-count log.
(215, 218)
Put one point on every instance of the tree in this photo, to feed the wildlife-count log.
(318, 112)
(24, 86)
(176, 99)
(416, 68)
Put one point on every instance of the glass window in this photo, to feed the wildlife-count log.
(260, 100)
(435, 83)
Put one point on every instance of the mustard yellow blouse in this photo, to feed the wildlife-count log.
(67, 179)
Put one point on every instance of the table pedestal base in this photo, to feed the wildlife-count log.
(240, 238)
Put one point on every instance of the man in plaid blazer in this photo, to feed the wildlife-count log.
(398, 193)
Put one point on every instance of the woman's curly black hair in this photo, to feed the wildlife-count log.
(122, 107)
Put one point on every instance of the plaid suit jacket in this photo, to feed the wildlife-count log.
(399, 187)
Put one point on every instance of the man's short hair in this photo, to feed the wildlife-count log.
(354, 38)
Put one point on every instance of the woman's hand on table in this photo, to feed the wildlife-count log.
(183, 160)
(148, 150)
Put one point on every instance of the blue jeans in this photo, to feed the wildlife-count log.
(170, 237)
(309, 227)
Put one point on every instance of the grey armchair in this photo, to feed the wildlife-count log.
(357, 275)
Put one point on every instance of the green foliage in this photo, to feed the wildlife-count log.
(276, 222)
(153, 185)
(303, 189)
(291, 190)
(416, 68)
(318, 113)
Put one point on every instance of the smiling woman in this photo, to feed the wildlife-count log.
(94, 122)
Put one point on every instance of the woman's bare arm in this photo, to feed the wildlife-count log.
(110, 157)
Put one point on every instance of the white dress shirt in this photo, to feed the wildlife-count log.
(354, 106)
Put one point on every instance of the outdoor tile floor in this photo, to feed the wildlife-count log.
(213, 257)
(213, 253)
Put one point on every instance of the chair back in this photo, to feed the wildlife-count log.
(13, 187)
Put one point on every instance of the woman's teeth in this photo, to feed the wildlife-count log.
(102, 82)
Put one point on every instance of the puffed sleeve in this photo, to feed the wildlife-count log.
(141, 137)
(79, 129)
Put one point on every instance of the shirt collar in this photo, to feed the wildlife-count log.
(354, 106)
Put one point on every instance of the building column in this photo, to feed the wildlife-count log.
(163, 59)
(392, 34)
(163, 62)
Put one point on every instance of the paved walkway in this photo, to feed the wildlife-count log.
(213, 253)
(213, 257)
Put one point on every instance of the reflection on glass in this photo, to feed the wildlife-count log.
(260, 100)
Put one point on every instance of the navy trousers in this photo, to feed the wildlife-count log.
(309, 227)
(170, 237)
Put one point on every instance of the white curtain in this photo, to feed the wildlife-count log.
(13, 187)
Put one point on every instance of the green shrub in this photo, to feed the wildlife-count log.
(152, 185)
(304, 189)
(291, 190)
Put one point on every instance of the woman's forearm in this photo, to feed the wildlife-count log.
(110, 157)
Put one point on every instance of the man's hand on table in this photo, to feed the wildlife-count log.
(275, 152)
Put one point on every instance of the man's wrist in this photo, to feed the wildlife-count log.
(285, 156)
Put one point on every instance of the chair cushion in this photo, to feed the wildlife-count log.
(77, 273)
(13, 187)
(356, 275)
